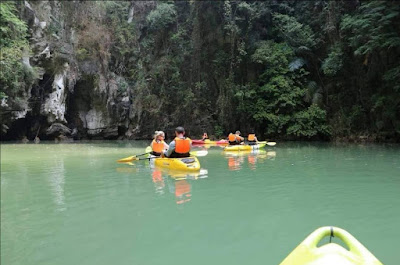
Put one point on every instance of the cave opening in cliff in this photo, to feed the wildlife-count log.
(31, 124)
(78, 104)
(17, 130)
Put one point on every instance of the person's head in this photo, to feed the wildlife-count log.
(159, 135)
(179, 131)
(237, 132)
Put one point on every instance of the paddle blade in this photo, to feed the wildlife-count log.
(271, 143)
(128, 159)
(199, 153)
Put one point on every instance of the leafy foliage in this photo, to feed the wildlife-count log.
(162, 16)
(13, 45)
(372, 28)
(278, 101)
(333, 63)
(293, 32)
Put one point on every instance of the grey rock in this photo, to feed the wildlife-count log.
(57, 129)
(110, 133)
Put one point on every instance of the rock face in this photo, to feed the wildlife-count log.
(57, 129)
(94, 121)
(54, 106)
(76, 94)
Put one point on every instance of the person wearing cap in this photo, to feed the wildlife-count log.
(180, 146)
(158, 145)
(235, 139)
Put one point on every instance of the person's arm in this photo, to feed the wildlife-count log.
(171, 148)
(151, 145)
(166, 146)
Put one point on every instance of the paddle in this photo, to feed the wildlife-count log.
(267, 143)
(199, 153)
(131, 158)
(192, 153)
(134, 158)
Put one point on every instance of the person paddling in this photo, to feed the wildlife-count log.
(205, 137)
(235, 139)
(180, 146)
(158, 145)
(252, 139)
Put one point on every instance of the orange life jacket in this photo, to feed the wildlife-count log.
(251, 137)
(232, 137)
(158, 147)
(182, 146)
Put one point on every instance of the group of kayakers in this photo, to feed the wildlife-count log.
(235, 139)
(181, 145)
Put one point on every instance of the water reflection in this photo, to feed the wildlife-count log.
(182, 191)
(57, 181)
(236, 160)
(179, 183)
(158, 181)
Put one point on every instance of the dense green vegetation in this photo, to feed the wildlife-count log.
(14, 75)
(286, 69)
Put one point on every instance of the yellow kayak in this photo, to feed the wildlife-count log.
(244, 147)
(182, 164)
(308, 252)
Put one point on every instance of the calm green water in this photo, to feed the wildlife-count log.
(73, 204)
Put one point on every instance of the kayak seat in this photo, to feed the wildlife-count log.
(188, 160)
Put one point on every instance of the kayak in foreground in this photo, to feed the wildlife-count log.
(209, 142)
(244, 147)
(308, 252)
(182, 164)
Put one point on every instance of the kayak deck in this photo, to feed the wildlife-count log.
(308, 252)
(182, 164)
(244, 147)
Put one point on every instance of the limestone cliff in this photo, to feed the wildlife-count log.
(75, 90)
